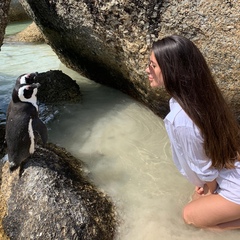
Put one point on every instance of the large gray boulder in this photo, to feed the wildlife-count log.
(109, 41)
(50, 198)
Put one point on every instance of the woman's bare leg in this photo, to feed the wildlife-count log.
(229, 225)
(212, 211)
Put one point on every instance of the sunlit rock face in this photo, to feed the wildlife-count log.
(109, 41)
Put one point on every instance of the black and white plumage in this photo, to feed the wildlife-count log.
(23, 125)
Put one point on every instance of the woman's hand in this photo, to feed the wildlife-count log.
(199, 190)
(208, 188)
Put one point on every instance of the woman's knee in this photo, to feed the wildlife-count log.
(186, 214)
(189, 216)
(192, 216)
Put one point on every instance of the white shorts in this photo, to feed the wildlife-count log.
(229, 184)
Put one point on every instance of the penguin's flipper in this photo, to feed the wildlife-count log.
(41, 129)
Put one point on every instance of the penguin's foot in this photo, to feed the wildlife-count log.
(12, 167)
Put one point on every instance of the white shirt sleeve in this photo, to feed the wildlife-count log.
(191, 144)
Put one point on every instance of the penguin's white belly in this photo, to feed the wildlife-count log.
(31, 136)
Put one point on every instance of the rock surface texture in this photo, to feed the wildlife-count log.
(48, 198)
(3, 206)
(4, 7)
(109, 41)
(57, 87)
(30, 34)
(16, 12)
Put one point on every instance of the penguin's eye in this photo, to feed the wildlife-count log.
(30, 78)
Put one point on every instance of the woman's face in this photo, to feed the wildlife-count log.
(154, 72)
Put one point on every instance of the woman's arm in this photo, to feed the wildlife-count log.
(212, 186)
(208, 188)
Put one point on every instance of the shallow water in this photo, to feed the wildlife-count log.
(123, 144)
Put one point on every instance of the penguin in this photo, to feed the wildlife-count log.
(23, 126)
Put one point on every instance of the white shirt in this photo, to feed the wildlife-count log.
(190, 158)
(187, 147)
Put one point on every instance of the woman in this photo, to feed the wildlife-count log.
(204, 134)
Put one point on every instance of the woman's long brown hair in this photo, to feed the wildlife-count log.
(188, 79)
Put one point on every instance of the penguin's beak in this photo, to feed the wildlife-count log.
(33, 85)
(35, 74)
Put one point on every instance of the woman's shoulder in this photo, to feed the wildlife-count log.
(181, 124)
(177, 116)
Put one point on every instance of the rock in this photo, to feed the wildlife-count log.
(2, 147)
(4, 7)
(17, 12)
(109, 41)
(3, 207)
(29, 34)
(57, 87)
(2, 140)
(49, 198)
